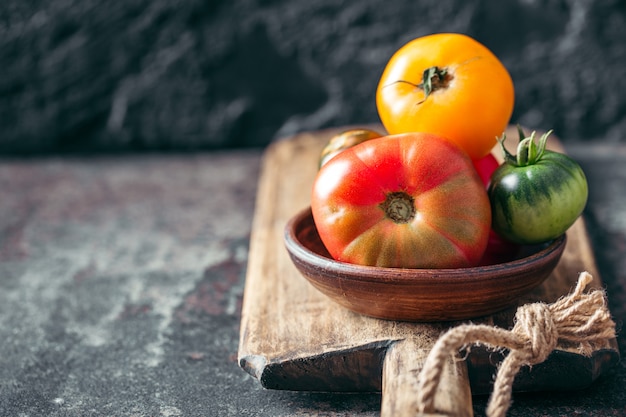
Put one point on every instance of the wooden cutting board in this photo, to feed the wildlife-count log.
(294, 338)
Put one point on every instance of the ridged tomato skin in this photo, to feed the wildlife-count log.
(538, 202)
(410, 201)
(472, 97)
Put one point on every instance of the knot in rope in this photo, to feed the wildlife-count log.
(536, 331)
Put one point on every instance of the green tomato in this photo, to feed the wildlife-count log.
(538, 194)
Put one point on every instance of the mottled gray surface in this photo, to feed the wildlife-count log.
(121, 281)
(189, 74)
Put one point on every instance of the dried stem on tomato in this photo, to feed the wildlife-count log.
(433, 79)
(399, 207)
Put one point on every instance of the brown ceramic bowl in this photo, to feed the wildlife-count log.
(418, 294)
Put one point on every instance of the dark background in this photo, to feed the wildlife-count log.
(137, 75)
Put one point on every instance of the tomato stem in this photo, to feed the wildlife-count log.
(434, 78)
(399, 207)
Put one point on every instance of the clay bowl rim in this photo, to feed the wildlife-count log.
(451, 276)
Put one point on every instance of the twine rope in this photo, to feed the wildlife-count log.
(579, 319)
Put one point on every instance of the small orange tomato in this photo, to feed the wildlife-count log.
(450, 85)
(344, 140)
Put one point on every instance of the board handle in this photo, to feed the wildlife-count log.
(402, 365)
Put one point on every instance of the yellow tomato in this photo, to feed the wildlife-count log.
(447, 84)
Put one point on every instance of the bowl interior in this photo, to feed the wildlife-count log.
(418, 294)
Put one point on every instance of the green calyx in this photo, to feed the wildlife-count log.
(528, 152)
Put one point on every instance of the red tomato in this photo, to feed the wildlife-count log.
(498, 249)
(485, 167)
(410, 200)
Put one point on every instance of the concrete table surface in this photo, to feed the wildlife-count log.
(121, 280)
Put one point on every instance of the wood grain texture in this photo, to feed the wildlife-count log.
(403, 362)
(294, 338)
